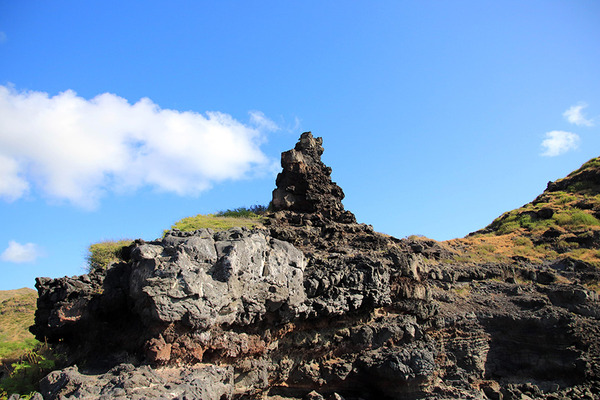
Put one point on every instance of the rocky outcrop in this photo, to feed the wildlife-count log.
(314, 305)
(183, 287)
(305, 186)
(585, 178)
(127, 382)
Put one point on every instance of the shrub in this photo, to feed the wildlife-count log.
(101, 255)
(243, 212)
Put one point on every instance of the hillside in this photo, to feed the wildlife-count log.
(17, 308)
(311, 304)
(561, 223)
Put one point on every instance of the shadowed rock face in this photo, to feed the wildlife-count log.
(316, 304)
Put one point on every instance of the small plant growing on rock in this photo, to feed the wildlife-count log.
(101, 255)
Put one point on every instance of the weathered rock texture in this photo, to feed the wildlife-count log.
(314, 305)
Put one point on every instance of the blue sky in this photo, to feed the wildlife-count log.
(119, 118)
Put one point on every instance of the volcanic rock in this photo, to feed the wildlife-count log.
(305, 184)
(316, 305)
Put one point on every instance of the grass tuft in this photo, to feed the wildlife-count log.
(223, 220)
(101, 255)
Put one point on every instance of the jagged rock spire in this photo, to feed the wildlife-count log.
(305, 185)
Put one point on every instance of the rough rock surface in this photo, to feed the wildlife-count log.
(126, 382)
(317, 306)
(170, 300)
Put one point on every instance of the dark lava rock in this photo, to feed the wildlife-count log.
(305, 184)
(315, 305)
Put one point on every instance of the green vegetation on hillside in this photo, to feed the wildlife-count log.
(17, 309)
(564, 221)
(23, 360)
(552, 209)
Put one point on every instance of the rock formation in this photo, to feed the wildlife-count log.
(305, 186)
(314, 305)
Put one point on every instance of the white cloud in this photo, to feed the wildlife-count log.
(259, 119)
(559, 142)
(20, 253)
(575, 116)
(3, 37)
(75, 149)
(12, 185)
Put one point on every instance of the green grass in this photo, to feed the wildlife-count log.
(24, 360)
(573, 217)
(564, 198)
(101, 255)
(514, 220)
(17, 309)
(223, 220)
(12, 348)
(566, 213)
(215, 222)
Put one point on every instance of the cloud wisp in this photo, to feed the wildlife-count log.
(20, 253)
(575, 115)
(70, 148)
(559, 142)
